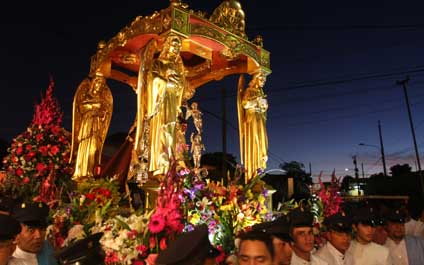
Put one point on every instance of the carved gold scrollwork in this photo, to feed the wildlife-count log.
(230, 16)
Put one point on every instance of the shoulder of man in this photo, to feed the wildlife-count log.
(15, 261)
(382, 250)
(315, 260)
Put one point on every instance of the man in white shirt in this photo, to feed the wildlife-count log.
(404, 250)
(339, 235)
(32, 248)
(362, 249)
(301, 223)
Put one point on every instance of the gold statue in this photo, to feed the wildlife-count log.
(252, 107)
(196, 148)
(92, 112)
(161, 95)
(197, 117)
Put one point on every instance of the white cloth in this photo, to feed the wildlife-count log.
(414, 228)
(369, 254)
(296, 260)
(21, 257)
(397, 252)
(332, 256)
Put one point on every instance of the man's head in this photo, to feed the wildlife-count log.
(339, 228)
(301, 223)
(279, 231)
(364, 224)
(33, 220)
(255, 248)
(10, 228)
(395, 226)
(189, 248)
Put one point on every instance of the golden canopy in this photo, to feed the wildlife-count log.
(211, 48)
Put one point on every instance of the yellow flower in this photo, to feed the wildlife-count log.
(194, 217)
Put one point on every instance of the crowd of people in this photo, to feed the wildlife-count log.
(358, 237)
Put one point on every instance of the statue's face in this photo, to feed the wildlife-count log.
(174, 46)
(261, 80)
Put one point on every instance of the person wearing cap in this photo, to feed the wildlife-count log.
(255, 247)
(339, 236)
(301, 223)
(32, 248)
(10, 228)
(380, 234)
(403, 249)
(362, 249)
(6, 204)
(87, 251)
(279, 231)
(189, 248)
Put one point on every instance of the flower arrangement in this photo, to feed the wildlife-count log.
(93, 202)
(226, 209)
(37, 162)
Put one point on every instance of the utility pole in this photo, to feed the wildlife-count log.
(363, 174)
(224, 137)
(403, 84)
(355, 163)
(310, 169)
(382, 150)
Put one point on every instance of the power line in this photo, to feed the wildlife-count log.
(336, 27)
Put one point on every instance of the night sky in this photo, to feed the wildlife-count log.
(335, 66)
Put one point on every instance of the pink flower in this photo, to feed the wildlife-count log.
(56, 130)
(157, 223)
(41, 168)
(39, 137)
(19, 171)
(25, 180)
(54, 150)
(138, 262)
(43, 150)
(151, 259)
(19, 150)
(142, 250)
(152, 242)
(162, 243)
(28, 147)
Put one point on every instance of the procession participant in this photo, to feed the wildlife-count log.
(380, 234)
(403, 249)
(301, 223)
(10, 228)
(362, 249)
(87, 251)
(32, 248)
(189, 248)
(255, 248)
(339, 236)
(6, 204)
(279, 231)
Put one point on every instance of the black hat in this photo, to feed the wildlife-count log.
(396, 216)
(279, 228)
(189, 248)
(31, 214)
(6, 204)
(365, 215)
(87, 251)
(9, 227)
(339, 222)
(299, 217)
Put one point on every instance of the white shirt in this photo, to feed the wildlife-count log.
(369, 254)
(296, 260)
(414, 228)
(397, 252)
(23, 258)
(332, 256)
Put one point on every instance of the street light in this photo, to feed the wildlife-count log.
(382, 155)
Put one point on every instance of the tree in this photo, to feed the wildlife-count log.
(293, 168)
(346, 183)
(400, 170)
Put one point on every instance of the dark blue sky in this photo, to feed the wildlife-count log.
(334, 65)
